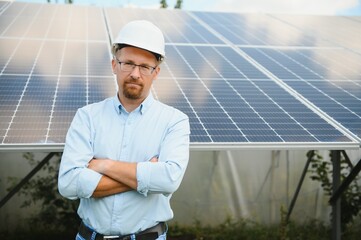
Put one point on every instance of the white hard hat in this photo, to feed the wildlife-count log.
(142, 34)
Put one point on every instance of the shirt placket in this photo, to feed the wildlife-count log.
(128, 120)
(127, 135)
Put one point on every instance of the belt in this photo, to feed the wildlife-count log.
(148, 234)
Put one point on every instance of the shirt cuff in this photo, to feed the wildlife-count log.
(87, 182)
(143, 177)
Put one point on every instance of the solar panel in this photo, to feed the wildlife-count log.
(337, 30)
(328, 78)
(241, 83)
(257, 30)
(48, 72)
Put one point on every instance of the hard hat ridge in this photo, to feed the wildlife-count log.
(142, 34)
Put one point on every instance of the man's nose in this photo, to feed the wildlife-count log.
(135, 74)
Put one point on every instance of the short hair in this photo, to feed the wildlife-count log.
(117, 46)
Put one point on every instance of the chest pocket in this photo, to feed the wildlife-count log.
(129, 139)
(147, 139)
(108, 138)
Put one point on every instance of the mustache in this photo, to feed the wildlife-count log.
(133, 81)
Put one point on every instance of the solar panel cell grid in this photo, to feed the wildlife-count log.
(56, 58)
(258, 29)
(98, 59)
(337, 30)
(20, 61)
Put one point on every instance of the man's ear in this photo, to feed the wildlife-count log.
(114, 65)
(156, 70)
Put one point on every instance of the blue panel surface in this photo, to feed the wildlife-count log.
(239, 81)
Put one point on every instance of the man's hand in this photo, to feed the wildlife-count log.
(122, 172)
(117, 177)
(100, 165)
(154, 159)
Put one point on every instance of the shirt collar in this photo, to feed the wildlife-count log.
(144, 106)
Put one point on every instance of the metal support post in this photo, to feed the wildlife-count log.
(336, 205)
(290, 209)
(346, 182)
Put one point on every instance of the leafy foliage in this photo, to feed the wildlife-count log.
(56, 212)
(244, 229)
(321, 171)
(163, 4)
(178, 4)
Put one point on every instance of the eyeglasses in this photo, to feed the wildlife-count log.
(129, 67)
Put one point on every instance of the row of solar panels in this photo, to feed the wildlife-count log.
(245, 80)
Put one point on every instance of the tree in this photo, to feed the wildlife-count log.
(56, 213)
(321, 171)
(163, 4)
(178, 5)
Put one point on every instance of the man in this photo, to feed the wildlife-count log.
(125, 156)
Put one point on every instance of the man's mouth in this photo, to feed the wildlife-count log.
(132, 84)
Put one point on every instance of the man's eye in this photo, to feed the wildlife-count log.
(145, 67)
(128, 64)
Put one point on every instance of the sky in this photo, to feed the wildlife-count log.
(314, 7)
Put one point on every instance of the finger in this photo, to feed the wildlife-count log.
(154, 159)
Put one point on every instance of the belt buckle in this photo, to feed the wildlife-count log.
(111, 237)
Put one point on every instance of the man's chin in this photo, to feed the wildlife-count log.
(132, 94)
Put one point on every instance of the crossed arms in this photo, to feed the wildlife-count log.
(117, 176)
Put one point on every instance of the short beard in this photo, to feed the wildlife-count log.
(132, 94)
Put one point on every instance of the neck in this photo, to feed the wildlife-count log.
(129, 104)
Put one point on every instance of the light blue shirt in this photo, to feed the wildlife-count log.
(107, 130)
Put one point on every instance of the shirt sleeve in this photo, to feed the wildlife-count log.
(166, 175)
(75, 179)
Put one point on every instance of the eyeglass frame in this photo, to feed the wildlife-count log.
(136, 65)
